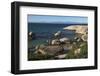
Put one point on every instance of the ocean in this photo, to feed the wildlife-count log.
(46, 31)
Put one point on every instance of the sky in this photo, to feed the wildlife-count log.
(57, 19)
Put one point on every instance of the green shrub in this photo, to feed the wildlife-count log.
(83, 52)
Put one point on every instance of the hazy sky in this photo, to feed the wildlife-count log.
(57, 19)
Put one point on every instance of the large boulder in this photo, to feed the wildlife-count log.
(50, 50)
(64, 40)
(40, 49)
(53, 50)
(55, 42)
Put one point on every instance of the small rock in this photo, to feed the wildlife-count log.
(31, 35)
(61, 56)
(77, 51)
(84, 37)
(57, 34)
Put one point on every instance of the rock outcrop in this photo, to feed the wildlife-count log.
(82, 29)
(31, 36)
(64, 40)
(55, 42)
(79, 29)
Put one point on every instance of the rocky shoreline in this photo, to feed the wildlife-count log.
(61, 48)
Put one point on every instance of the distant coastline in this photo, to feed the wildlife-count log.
(60, 23)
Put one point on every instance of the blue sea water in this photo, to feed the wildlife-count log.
(45, 31)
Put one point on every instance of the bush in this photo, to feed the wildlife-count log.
(83, 52)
